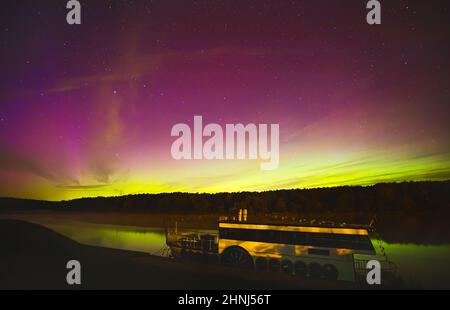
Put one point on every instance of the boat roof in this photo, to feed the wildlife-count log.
(345, 230)
(287, 222)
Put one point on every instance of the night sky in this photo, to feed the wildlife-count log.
(87, 110)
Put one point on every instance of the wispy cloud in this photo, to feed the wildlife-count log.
(12, 160)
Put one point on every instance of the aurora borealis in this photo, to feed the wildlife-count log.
(87, 110)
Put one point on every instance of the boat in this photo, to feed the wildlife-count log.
(304, 248)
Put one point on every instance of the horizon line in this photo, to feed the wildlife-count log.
(225, 192)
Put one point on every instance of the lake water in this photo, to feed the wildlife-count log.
(150, 240)
(420, 266)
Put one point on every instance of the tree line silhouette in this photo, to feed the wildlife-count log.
(379, 198)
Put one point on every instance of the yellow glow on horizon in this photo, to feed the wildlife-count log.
(295, 171)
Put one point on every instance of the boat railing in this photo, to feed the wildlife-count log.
(192, 239)
(387, 268)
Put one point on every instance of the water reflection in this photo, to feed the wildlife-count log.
(139, 239)
(419, 266)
